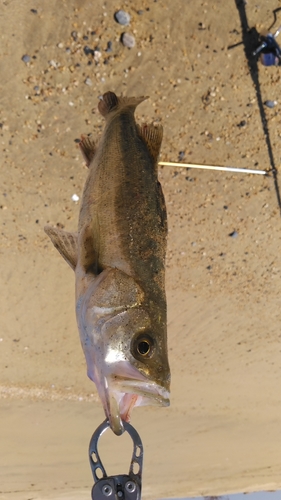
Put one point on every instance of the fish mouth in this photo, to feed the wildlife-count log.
(120, 395)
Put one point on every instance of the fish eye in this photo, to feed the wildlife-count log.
(143, 346)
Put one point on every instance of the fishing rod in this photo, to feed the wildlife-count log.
(211, 167)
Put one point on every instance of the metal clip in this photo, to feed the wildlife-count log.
(123, 486)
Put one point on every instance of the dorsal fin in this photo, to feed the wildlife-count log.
(65, 243)
(152, 136)
(88, 148)
(110, 102)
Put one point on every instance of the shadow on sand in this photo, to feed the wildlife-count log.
(251, 40)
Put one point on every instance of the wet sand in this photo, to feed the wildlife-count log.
(222, 431)
(220, 434)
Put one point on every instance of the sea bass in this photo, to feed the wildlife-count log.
(118, 255)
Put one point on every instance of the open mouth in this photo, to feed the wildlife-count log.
(122, 395)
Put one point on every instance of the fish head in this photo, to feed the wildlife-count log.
(127, 359)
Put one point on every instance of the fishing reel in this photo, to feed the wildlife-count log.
(269, 50)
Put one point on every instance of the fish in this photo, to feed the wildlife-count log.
(118, 256)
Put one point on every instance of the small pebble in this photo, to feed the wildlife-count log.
(234, 234)
(97, 55)
(88, 81)
(74, 35)
(26, 58)
(270, 104)
(75, 197)
(181, 155)
(109, 47)
(201, 26)
(128, 40)
(122, 17)
(242, 123)
(34, 11)
(54, 64)
(88, 51)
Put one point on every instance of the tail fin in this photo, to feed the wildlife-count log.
(110, 102)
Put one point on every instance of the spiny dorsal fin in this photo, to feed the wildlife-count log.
(110, 102)
(88, 148)
(65, 243)
(152, 136)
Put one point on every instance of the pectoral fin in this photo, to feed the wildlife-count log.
(65, 243)
(88, 148)
(152, 136)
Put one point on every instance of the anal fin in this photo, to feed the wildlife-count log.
(152, 135)
(88, 148)
(65, 243)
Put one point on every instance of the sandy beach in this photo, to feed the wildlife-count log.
(221, 433)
